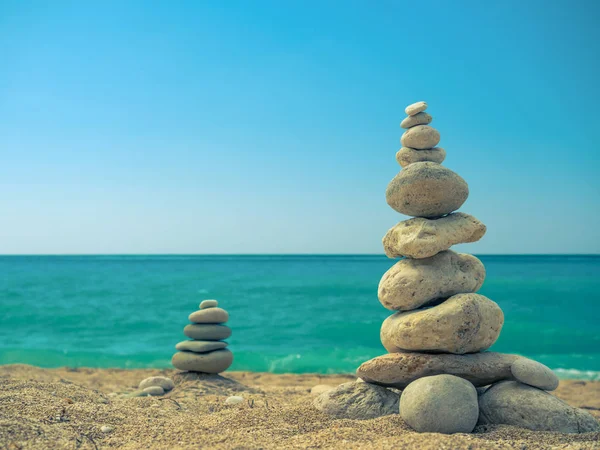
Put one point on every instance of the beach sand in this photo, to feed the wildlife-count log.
(66, 408)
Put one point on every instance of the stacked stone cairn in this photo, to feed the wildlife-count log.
(206, 351)
(441, 327)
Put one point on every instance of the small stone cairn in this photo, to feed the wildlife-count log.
(441, 327)
(206, 351)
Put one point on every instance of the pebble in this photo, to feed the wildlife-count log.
(421, 118)
(234, 400)
(200, 346)
(420, 137)
(212, 362)
(440, 404)
(154, 390)
(534, 374)
(357, 401)
(106, 428)
(208, 304)
(415, 108)
(523, 406)
(407, 156)
(209, 315)
(465, 323)
(208, 332)
(426, 189)
(412, 283)
(320, 388)
(423, 238)
(398, 370)
(165, 383)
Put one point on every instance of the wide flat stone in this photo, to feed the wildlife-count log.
(412, 283)
(426, 189)
(406, 156)
(415, 108)
(207, 332)
(200, 346)
(421, 118)
(209, 315)
(213, 362)
(398, 370)
(465, 323)
(422, 238)
(523, 406)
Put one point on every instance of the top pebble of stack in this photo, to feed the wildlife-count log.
(415, 108)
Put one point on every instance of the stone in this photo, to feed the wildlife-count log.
(534, 374)
(406, 156)
(204, 304)
(106, 428)
(422, 238)
(164, 382)
(412, 283)
(440, 404)
(320, 388)
(415, 108)
(154, 390)
(421, 118)
(207, 332)
(426, 189)
(209, 315)
(212, 362)
(465, 323)
(200, 346)
(398, 370)
(357, 401)
(520, 405)
(234, 400)
(420, 137)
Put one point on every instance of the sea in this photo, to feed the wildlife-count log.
(289, 314)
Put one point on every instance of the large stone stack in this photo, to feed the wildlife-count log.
(206, 351)
(441, 327)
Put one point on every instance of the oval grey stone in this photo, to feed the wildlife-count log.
(360, 401)
(426, 189)
(422, 238)
(415, 108)
(164, 382)
(421, 118)
(204, 304)
(534, 374)
(207, 332)
(440, 404)
(209, 315)
(406, 156)
(412, 283)
(212, 362)
(200, 346)
(520, 405)
(154, 390)
(465, 323)
(421, 137)
(398, 370)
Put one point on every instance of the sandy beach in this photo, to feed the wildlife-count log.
(65, 409)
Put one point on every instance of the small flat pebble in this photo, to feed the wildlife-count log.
(106, 429)
(207, 332)
(534, 374)
(234, 400)
(208, 304)
(415, 108)
(164, 382)
(154, 390)
(200, 346)
(421, 118)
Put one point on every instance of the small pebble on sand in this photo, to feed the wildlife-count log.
(106, 428)
(234, 400)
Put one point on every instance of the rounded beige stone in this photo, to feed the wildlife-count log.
(406, 156)
(207, 332)
(209, 315)
(415, 108)
(164, 382)
(200, 346)
(212, 362)
(412, 283)
(422, 238)
(426, 189)
(398, 370)
(204, 304)
(534, 374)
(154, 390)
(440, 404)
(465, 323)
(421, 137)
(421, 118)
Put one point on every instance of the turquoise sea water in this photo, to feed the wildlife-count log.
(288, 313)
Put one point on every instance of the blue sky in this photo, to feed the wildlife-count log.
(271, 127)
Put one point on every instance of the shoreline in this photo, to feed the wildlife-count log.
(66, 408)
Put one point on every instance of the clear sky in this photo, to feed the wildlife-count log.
(272, 127)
